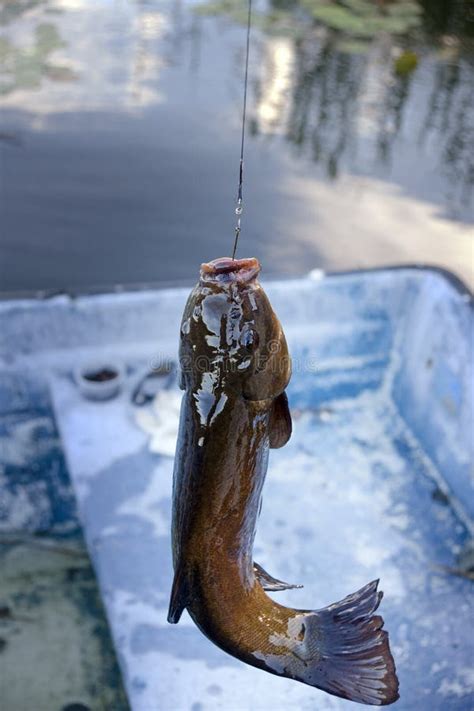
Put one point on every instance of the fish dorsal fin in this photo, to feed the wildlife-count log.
(268, 582)
(179, 597)
(280, 422)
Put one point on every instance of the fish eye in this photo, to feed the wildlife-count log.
(249, 338)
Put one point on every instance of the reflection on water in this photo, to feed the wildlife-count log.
(110, 49)
(342, 91)
(24, 66)
(120, 131)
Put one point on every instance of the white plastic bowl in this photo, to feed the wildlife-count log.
(99, 389)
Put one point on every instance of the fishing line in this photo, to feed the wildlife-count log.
(239, 209)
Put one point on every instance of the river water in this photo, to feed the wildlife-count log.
(120, 125)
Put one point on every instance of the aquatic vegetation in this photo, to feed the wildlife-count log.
(355, 20)
(365, 18)
(24, 67)
(406, 63)
(280, 20)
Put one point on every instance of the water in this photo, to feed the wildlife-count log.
(53, 632)
(120, 134)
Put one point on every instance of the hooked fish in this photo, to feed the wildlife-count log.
(235, 367)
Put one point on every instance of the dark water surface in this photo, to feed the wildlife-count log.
(119, 137)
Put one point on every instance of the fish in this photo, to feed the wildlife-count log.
(234, 370)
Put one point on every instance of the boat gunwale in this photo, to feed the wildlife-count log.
(44, 295)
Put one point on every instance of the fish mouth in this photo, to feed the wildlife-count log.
(226, 269)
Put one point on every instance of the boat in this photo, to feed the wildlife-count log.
(375, 481)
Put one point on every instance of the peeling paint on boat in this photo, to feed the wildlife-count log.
(379, 426)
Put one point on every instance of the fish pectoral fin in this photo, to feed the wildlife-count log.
(280, 422)
(268, 582)
(179, 598)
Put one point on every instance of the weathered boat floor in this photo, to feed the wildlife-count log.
(349, 499)
(374, 482)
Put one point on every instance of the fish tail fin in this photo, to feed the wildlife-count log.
(341, 649)
(179, 597)
(354, 661)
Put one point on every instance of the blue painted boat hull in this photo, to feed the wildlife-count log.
(375, 482)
